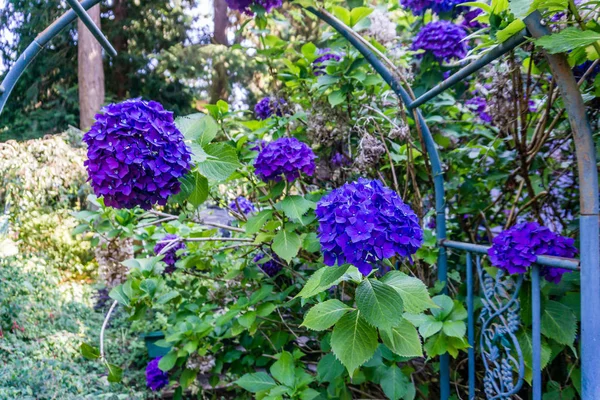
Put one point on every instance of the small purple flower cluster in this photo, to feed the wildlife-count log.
(325, 55)
(418, 7)
(270, 267)
(469, 20)
(515, 249)
(478, 105)
(364, 222)
(442, 39)
(245, 205)
(136, 154)
(170, 256)
(284, 156)
(444, 6)
(339, 160)
(244, 6)
(268, 106)
(156, 379)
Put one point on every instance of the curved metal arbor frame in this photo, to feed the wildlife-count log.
(498, 381)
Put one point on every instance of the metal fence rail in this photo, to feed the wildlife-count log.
(499, 381)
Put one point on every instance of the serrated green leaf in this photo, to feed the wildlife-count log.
(402, 339)
(559, 322)
(198, 127)
(455, 328)
(394, 383)
(380, 304)
(256, 382)
(567, 40)
(329, 368)
(412, 290)
(323, 315)
(322, 279)
(89, 352)
(258, 221)
(353, 341)
(199, 193)
(295, 207)
(286, 244)
(526, 344)
(222, 163)
(283, 369)
(436, 346)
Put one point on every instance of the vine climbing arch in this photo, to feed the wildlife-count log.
(504, 373)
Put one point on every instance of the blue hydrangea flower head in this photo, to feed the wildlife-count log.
(417, 7)
(170, 257)
(245, 205)
(515, 249)
(442, 39)
(285, 156)
(444, 6)
(136, 154)
(325, 55)
(244, 6)
(156, 379)
(478, 105)
(268, 107)
(270, 267)
(364, 222)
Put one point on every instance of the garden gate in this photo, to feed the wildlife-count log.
(498, 347)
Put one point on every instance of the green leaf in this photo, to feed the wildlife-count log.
(324, 315)
(567, 40)
(559, 322)
(322, 279)
(521, 8)
(247, 319)
(89, 352)
(413, 292)
(342, 14)
(394, 383)
(149, 286)
(199, 193)
(283, 369)
(336, 97)
(311, 243)
(294, 207)
(115, 373)
(309, 51)
(512, 29)
(358, 13)
(286, 244)
(119, 295)
(198, 127)
(222, 163)
(455, 328)
(258, 221)
(380, 304)
(187, 377)
(402, 339)
(256, 382)
(445, 304)
(526, 344)
(329, 368)
(436, 346)
(165, 298)
(430, 327)
(168, 362)
(353, 341)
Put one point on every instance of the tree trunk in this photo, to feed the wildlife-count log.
(120, 69)
(220, 84)
(90, 72)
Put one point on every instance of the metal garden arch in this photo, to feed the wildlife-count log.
(499, 382)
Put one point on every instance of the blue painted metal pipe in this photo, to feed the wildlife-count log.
(87, 20)
(475, 66)
(471, 325)
(436, 167)
(15, 72)
(536, 338)
(548, 261)
(589, 220)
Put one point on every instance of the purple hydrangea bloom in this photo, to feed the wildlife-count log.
(444, 6)
(325, 55)
(267, 107)
(580, 70)
(515, 249)
(244, 6)
(469, 19)
(478, 105)
(245, 205)
(270, 267)
(417, 7)
(442, 39)
(364, 222)
(136, 154)
(156, 379)
(339, 160)
(170, 256)
(285, 156)
(257, 145)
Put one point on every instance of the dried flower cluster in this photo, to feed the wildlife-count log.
(370, 150)
(382, 28)
(204, 364)
(364, 222)
(136, 154)
(515, 249)
(110, 253)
